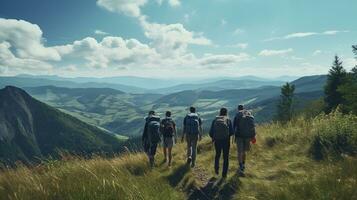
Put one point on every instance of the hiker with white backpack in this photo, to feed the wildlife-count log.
(168, 131)
(244, 130)
(221, 132)
(151, 136)
(192, 129)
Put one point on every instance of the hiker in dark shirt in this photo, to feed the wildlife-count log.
(151, 136)
(168, 131)
(244, 131)
(192, 129)
(221, 132)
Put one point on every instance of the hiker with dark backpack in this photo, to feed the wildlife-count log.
(244, 130)
(151, 136)
(221, 132)
(168, 131)
(192, 129)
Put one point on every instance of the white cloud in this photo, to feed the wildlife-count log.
(238, 31)
(130, 8)
(110, 52)
(306, 34)
(11, 62)
(167, 39)
(350, 63)
(224, 59)
(100, 32)
(316, 52)
(26, 40)
(268, 52)
(299, 35)
(333, 32)
(174, 3)
(240, 45)
(172, 39)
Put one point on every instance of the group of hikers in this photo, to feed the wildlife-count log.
(222, 130)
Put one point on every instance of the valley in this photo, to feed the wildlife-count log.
(123, 113)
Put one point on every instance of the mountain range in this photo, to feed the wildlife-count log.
(141, 85)
(123, 113)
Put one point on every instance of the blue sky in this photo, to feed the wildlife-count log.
(175, 38)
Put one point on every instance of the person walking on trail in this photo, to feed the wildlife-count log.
(192, 129)
(244, 130)
(151, 136)
(221, 132)
(168, 131)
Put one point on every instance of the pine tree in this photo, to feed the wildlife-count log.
(349, 89)
(285, 106)
(335, 79)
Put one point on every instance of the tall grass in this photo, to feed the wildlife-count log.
(126, 177)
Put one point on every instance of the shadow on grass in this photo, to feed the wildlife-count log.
(216, 189)
(177, 175)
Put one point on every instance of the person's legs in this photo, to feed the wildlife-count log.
(165, 152)
(189, 149)
(218, 148)
(194, 150)
(225, 147)
(170, 155)
(240, 150)
(152, 154)
(245, 150)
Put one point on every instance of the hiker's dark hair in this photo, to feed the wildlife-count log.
(192, 109)
(240, 107)
(168, 113)
(151, 112)
(223, 112)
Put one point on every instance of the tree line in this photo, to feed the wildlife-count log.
(340, 91)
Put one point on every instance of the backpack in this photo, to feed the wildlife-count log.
(221, 128)
(168, 127)
(154, 132)
(192, 125)
(246, 126)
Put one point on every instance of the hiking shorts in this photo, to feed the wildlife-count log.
(168, 142)
(243, 145)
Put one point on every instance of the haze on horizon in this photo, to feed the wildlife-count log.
(175, 38)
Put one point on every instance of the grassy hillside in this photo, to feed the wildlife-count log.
(31, 130)
(305, 159)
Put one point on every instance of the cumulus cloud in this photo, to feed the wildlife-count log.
(26, 40)
(269, 52)
(167, 39)
(172, 39)
(130, 8)
(110, 52)
(9, 61)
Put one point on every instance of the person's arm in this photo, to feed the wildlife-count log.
(211, 131)
(183, 129)
(235, 123)
(145, 132)
(231, 130)
(201, 128)
(175, 131)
